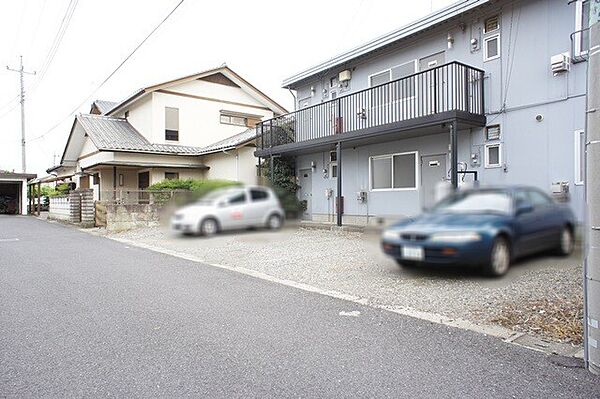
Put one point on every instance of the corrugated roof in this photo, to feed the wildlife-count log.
(415, 27)
(231, 142)
(117, 134)
(105, 106)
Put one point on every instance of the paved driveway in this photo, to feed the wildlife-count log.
(353, 263)
(85, 316)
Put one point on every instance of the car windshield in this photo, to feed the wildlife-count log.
(475, 201)
(216, 195)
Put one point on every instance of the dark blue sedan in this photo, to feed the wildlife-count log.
(488, 228)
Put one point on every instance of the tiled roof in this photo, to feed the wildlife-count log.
(104, 106)
(117, 134)
(230, 142)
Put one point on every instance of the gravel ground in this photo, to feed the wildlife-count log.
(352, 263)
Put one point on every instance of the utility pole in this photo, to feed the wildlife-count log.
(21, 72)
(591, 283)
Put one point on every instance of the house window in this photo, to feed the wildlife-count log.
(579, 156)
(491, 47)
(404, 90)
(582, 23)
(493, 155)
(228, 119)
(491, 24)
(172, 124)
(492, 132)
(172, 175)
(394, 171)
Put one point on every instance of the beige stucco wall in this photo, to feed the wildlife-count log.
(238, 165)
(199, 119)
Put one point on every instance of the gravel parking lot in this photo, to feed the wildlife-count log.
(545, 290)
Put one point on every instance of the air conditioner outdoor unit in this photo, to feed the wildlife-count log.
(345, 75)
(560, 63)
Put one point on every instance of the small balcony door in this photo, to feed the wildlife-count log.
(435, 83)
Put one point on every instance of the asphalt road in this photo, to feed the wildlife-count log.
(82, 315)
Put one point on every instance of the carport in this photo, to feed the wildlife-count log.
(13, 192)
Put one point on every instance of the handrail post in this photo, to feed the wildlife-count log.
(466, 89)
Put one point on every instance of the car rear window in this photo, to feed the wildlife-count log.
(258, 195)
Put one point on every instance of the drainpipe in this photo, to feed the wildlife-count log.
(338, 151)
(115, 183)
(453, 155)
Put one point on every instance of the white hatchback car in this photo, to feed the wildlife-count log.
(228, 209)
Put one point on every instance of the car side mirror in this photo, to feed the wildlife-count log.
(524, 208)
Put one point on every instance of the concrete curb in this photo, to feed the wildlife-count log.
(506, 335)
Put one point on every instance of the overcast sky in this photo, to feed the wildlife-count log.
(263, 41)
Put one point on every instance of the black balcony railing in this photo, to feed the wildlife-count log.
(450, 87)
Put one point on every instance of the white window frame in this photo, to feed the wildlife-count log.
(417, 172)
(485, 23)
(486, 155)
(579, 26)
(388, 70)
(331, 165)
(486, 40)
(579, 176)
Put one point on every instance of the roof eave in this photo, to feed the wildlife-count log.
(415, 27)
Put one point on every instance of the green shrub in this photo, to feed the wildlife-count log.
(192, 189)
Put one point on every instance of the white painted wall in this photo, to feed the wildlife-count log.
(237, 165)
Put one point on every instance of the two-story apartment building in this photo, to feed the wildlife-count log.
(198, 126)
(492, 90)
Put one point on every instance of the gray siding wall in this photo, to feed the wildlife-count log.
(519, 85)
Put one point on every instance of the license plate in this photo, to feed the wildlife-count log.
(412, 253)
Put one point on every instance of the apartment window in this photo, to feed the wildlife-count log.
(582, 23)
(492, 132)
(493, 155)
(491, 47)
(491, 24)
(333, 82)
(333, 165)
(579, 156)
(171, 124)
(171, 175)
(380, 78)
(394, 171)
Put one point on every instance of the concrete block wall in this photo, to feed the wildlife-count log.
(75, 207)
(88, 211)
(120, 217)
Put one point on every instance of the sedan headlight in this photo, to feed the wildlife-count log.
(456, 236)
(390, 235)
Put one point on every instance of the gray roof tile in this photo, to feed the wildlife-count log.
(117, 134)
(105, 106)
(230, 142)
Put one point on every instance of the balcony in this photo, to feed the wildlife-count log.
(450, 92)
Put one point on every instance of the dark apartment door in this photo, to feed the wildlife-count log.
(305, 191)
(433, 171)
(435, 83)
(143, 183)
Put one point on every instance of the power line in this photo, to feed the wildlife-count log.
(58, 37)
(112, 73)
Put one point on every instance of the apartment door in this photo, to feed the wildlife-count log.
(435, 82)
(305, 192)
(433, 171)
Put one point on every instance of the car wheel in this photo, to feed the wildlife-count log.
(499, 258)
(566, 242)
(274, 222)
(209, 227)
